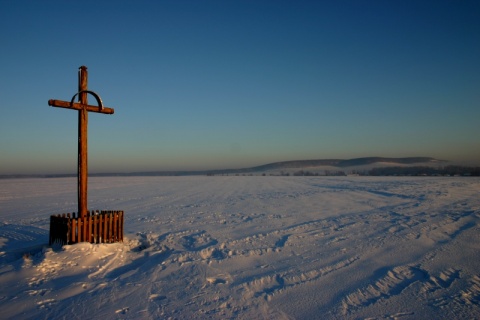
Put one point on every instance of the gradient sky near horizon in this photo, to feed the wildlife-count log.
(230, 84)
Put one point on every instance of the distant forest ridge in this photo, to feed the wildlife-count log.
(295, 164)
(341, 163)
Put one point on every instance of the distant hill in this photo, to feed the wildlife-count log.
(275, 166)
(341, 163)
(301, 164)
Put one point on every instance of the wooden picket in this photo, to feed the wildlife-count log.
(95, 227)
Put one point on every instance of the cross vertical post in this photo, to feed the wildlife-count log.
(82, 174)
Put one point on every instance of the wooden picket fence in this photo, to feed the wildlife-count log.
(95, 227)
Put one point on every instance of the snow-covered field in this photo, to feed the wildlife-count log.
(247, 248)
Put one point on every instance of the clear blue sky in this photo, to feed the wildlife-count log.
(229, 84)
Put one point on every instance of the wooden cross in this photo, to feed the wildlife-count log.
(83, 107)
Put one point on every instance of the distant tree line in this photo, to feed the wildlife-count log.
(305, 173)
(397, 171)
(310, 174)
(424, 171)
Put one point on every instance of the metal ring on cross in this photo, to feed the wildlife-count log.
(97, 97)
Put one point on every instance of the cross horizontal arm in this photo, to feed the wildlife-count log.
(79, 106)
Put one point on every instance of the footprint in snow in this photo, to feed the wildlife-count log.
(123, 310)
(156, 296)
